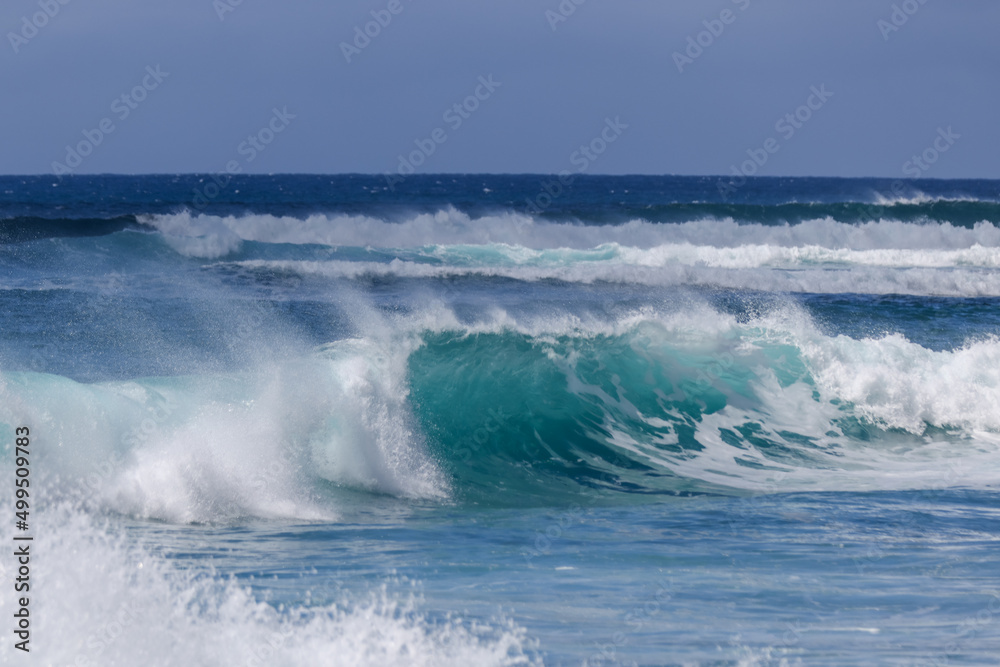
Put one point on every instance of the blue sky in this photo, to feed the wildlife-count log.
(894, 87)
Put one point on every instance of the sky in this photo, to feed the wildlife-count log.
(886, 88)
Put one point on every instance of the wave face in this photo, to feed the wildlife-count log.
(454, 341)
(469, 420)
(671, 408)
(509, 411)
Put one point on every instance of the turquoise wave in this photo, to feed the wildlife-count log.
(521, 420)
(513, 418)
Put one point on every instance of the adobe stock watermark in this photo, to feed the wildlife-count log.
(495, 420)
(786, 639)
(223, 7)
(249, 149)
(899, 17)
(542, 545)
(454, 116)
(100, 474)
(787, 126)
(122, 107)
(31, 25)
(696, 44)
(265, 651)
(967, 631)
(883, 543)
(381, 18)
(562, 13)
(109, 633)
(581, 158)
(607, 653)
(918, 164)
(915, 167)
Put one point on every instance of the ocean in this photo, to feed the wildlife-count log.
(499, 420)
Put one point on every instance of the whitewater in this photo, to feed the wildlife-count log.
(321, 422)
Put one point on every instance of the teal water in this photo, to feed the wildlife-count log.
(324, 423)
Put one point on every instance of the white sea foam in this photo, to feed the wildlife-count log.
(210, 236)
(917, 198)
(934, 415)
(899, 384)
(100, 598)
(942, 281)
(823, 255)
(214, 448)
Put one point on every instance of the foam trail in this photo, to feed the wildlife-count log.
(211, 236)
(960, 282)
(98, 598)
(818, 256)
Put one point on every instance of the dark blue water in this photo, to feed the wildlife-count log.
(504, 420)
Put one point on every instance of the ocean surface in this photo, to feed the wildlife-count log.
(501, 420)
